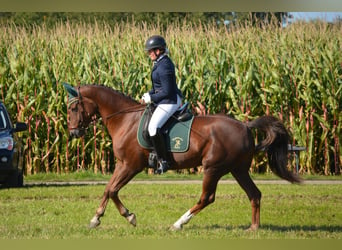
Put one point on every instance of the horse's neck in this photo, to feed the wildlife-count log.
(110, 103)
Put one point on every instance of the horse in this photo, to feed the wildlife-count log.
(218, 143)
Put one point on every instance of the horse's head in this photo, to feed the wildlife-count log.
(81, 112)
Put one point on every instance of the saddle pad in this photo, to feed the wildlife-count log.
(177, 136)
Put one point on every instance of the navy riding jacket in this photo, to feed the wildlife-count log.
(164, 86)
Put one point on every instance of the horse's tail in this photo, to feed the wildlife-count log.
(276, 145)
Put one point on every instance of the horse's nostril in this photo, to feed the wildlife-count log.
(76, 133)
(72, 134)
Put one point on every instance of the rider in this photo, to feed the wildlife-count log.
(164, 94)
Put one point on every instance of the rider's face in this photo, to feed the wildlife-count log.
(153, 54)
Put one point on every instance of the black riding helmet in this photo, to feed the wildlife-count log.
(155, 42)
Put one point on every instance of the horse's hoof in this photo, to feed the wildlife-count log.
(252, 228)
(132, 219)
(175, 228)
(95, 222)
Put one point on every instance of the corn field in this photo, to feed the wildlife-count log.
(293, 73)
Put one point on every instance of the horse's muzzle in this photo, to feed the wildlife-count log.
(76, 133)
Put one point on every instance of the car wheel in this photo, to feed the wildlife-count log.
(16, 179)
(20, 179)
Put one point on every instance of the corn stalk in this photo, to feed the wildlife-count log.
(294, 73)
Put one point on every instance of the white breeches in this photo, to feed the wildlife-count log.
(162, 113)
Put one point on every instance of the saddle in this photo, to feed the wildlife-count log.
(176, 130)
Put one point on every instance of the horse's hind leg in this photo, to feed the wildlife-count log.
(253, 193)
(207, 197)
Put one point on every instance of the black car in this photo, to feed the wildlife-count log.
(11, 150)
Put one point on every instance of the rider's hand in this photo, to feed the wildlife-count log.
(146, 98)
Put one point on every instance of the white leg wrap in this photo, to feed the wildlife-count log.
(183, 220)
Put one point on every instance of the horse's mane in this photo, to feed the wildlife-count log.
(117, 92)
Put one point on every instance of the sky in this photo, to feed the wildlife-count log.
(327, 16)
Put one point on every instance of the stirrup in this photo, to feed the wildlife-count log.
(152, 160)
(163, 166)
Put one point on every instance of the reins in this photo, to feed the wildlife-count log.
(125, 111)
(135, 108)
(79, 98)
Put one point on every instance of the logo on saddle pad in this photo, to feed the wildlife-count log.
(177, 142)
(177, 133)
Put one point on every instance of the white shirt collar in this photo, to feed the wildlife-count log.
(163, 55)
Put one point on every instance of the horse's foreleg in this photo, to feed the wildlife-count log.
(95, 221)
(121, 177)
(207, 197)
(253, 194)
(130, 217)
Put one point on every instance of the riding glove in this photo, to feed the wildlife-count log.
(146, 98)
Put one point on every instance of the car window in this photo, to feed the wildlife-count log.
(3, 123)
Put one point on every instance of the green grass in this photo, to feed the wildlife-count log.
(170, 175)
(63, 212)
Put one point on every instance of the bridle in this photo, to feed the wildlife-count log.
(81, 123)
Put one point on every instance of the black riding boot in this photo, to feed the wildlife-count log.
(159, 145)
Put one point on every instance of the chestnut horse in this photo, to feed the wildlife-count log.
(218, 143)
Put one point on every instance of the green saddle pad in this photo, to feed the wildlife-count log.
(177, 137)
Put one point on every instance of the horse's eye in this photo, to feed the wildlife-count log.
(74, 109)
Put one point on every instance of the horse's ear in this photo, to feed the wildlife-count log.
(72, 92)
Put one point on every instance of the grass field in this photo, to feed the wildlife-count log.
(170, 175)
(63, 212)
